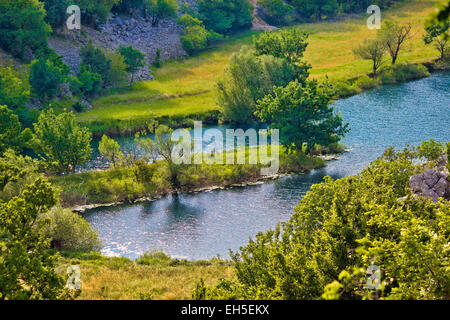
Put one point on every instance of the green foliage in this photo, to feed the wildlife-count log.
(187, 20)
(403, 72)
(365, 83)
(160, 9)
(225, 16)
(56, 12)
(124, 6)
(394, 37)
(87, 84)
(345, 89)
(195, 38)
(45, 78)
(372, 50)
(430, 150)
(342, 227)
(276, 12)
(318, 9)
(69, 231)
(118, 75)
(96, 61)
(134, 59)
(435, 33)
(157, 61)
(247, 79)
(26, 268)
(110, 149)
(61, 141)
(96, 12)
(303, 114)
(14, 87)
(10, 129)
(22, 27)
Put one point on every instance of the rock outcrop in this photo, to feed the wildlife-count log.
(432, 183)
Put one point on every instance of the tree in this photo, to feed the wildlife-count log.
(195, 38)
(110, 149)
(14, 87)
(303, 115)
(440, 17)
(372, 50)
(317, 9)
(276, 11)
(26, 266)
(95, 12)
(61, 141)
(225, 16)
(134, 59)
(394, 37)
(339, 229)
(87, 84)
(160, 9)
(97, 62)
(56, 12)
(435, 34)
(248, 78)
(45, 78)
(289, 44)
(22, 28)
(118, 73)
(10, 129)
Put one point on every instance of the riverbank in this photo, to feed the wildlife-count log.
(184, 89)
(150, 182)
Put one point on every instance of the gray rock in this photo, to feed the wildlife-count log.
(432, 184)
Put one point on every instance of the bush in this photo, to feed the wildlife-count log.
(14, 87)
(45, 78)
(118, 74)
(366, 83)
(87, 84)
(225, 16)
(22, 28)
(276, 12)
(69, 231)
(160, 9)
(403, 72)
(56, 12)
(194, 39)
(344, 89)
(97, 62)
(96, 12)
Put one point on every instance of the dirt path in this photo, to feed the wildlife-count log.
(258, 23)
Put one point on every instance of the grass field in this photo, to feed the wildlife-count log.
(186, 87)
(153, 276)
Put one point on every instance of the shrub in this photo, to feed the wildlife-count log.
(366, 83)
(97, 61)
(22, 28)
(56, 12)
(134, 59)
(194, 39)
(118, 75)
(45, 78)
(276, 12)
(14, 87)
(87, 84)
(225, 16)
(69, 231)
(160, 9)
(344, 89)
(403, 72)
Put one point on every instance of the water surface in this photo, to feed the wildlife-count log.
(198, 226)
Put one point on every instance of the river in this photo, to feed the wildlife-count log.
(204, 225)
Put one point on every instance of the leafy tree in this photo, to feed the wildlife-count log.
(440, 17)
(194, 39)
(316, 9)
(110, 149)
(134, 59)
(10, 130)
(372, 50)
(394, 37)
(225, 16)
(276, 11)
(435, 34)
(22, 27)
(342, 227)
(289, 44)
(61, 141)
(118, 73)
(96, 12)
(160, 9)
(303, 115)
(56, 12)
(248, 78)
(87, 84)
(14, 87)
(124, 6)
(97, 61)
(45, 78)
(26, 267)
